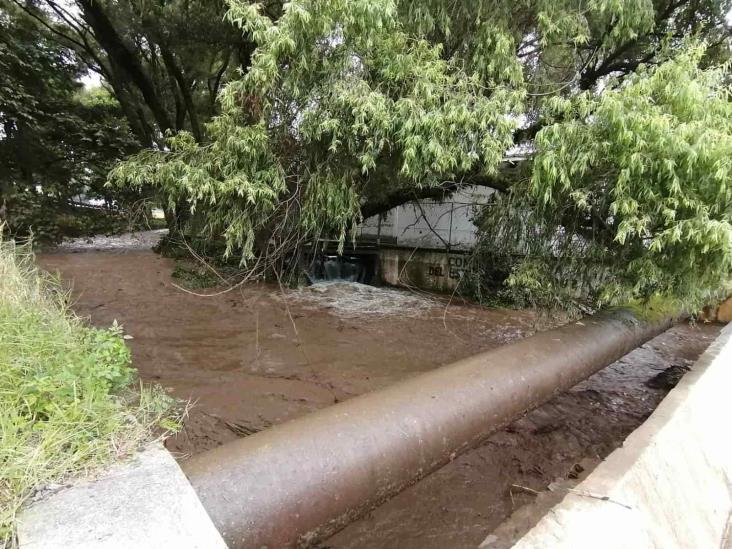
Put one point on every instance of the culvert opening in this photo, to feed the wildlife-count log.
(357, 267)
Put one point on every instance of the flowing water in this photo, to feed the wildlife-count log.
(346, 268)
(254, 357)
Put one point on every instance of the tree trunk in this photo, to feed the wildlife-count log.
(185, 91)
(122, 56)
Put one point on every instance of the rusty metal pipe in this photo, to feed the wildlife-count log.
(305, 479)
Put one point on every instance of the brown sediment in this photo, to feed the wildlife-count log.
(240, 358)
(483, 491)
(256, 357)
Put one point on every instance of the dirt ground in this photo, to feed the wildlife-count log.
(253, 357)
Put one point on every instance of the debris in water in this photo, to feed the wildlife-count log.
(141, 240)
(668, 379)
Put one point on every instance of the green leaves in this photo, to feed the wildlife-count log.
(65, 402)
(336, 92)
(349, 103)
(57, 141)
(643, 179)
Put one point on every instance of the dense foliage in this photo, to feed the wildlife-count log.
(629, 194)
(165, 62)
(269, 125)
(57, 140)
(347, 104)
(337, 98)
(65, 404)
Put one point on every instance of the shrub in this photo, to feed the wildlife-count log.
(66, 405)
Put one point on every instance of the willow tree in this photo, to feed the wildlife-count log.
(339, 103)
(630, 192)
(350, 107)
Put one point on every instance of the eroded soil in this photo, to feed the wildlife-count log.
(253, 357)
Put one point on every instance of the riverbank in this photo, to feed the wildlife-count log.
(254, 357)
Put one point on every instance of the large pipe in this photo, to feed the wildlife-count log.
(305, 479)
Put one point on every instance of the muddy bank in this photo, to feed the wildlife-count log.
(254, 357)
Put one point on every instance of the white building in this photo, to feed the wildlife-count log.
(429, 224)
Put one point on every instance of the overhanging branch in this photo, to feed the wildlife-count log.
(507, 174)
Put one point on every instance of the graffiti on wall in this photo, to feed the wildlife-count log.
(456, 266)
(435, 270)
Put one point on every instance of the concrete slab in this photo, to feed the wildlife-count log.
(670, 485)
(144, 503)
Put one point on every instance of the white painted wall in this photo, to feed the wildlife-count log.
(442, 223)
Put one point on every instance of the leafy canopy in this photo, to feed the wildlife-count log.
(630, 192)
(57, 140)
(353, 106)
(337, 94)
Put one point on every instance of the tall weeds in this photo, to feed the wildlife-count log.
(68, 401)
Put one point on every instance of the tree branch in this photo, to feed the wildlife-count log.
(30, 12)
(110, 40)
(175, 71)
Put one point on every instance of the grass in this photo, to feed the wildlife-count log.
(69, 404)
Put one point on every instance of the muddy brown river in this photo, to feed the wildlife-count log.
(254, 357)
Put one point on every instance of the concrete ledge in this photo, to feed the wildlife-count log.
(670, 485)
(144, 503)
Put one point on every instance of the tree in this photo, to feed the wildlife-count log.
(630, 194)
(58, 141)
(338, 104)
(352, 107)
(164, 61)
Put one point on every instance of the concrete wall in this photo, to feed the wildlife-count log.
(432, 224)
(724, 313)
(670, 485)
(144, 503)
(427, 269)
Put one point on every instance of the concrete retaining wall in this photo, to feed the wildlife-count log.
(724, 313)
(145, 503)
(427, 269)
(670, 485)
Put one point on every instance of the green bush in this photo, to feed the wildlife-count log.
(49, 220)
(66, 404)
